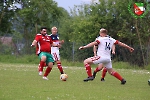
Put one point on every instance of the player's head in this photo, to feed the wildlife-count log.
(54, 30)
(103, 32)
(43, 30)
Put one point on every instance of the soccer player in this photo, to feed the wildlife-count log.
(98, 68)
(55, 50)
(105, 44)
(43, 49)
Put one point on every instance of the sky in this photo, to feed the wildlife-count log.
(70, 3)
(66, 4)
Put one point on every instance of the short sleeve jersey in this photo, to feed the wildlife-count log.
(104, 46)
(55, 40)
(43, 43)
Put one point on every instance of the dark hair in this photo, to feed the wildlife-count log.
(43, 28)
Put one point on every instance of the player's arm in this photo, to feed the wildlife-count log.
(113, 49)
(56, 45)
(61, 41)
(89, 45)
(95, 50)
(34, 43)
(126, 46)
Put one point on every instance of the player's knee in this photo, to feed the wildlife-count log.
(105, 69)
(50, 64)
(43, 58)
(110, 71)
(85, 62)
(58, 61)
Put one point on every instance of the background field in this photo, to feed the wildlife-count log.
(21, 82)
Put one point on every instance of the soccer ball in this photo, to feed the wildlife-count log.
(149, 82)
(63, 77)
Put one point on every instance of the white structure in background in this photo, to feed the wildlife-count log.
(12, 5)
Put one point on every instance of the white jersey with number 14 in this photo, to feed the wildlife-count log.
(104, 46)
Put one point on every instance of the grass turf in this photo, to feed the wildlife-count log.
(21, 82)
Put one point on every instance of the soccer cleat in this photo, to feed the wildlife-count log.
(40, 73)
(123, 81)
(94, 74)
(89, 79)
(45, 78)
(102, 79)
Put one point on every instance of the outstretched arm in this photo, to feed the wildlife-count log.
(126, 46)
(89, 45)
(34, 43)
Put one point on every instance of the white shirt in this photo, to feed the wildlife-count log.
(55, 40)
(55, 49)
(104, 46)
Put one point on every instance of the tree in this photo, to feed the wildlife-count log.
(6, 16)
(86, 20)
(33, 15)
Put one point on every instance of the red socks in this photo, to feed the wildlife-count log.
(104, 72)
(41, 66)
(48, 70)
(117, 75)
(60, 68)
(88, 70)
(97, 70)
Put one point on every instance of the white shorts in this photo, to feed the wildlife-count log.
(105, 61)
(56, 56)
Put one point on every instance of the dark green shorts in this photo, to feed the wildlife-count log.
(49, 57)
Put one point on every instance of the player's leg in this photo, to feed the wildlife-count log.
(98, 68)
(49, 61)
(104, 71)
(39, 66)
(56, 58)
(42, 57)
(114, 73)
(59, 66)
(87, 64)
(48, 70)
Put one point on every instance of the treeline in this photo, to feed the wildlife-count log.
(78, 27)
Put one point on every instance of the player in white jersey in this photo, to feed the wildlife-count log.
(101, 66)
(55, 50)
(103, 55)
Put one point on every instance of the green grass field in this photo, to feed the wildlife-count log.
(22, 82)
